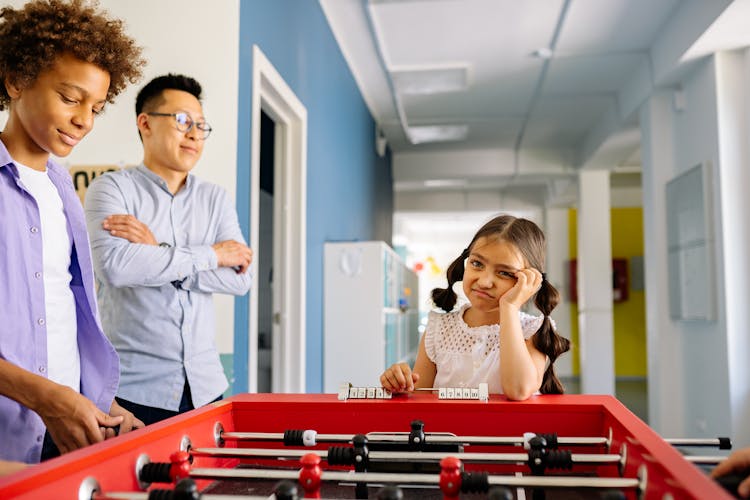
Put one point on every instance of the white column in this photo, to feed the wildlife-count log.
(595, 324)
(664, 343)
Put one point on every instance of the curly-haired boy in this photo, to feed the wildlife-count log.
(60, 63)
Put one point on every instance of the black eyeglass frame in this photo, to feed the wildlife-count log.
(202, 126)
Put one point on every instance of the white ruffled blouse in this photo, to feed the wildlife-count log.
(466, 356)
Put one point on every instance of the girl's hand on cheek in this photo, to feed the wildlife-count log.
(528, 282)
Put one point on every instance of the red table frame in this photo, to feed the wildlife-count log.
(112, 463)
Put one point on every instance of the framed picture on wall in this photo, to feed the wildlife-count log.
(690, 243)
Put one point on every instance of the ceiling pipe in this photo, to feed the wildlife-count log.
(367, 6)
(548, 53)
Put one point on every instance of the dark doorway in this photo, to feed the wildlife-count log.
(266, 253)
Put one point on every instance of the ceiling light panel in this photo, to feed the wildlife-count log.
(443, 183)
(438, 133)
(432, 80)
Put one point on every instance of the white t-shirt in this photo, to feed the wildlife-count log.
(467, 356)
(63, 358)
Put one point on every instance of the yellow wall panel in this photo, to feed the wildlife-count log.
(630, 315)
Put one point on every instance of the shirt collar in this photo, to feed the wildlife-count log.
(161, 182)
(6, 160)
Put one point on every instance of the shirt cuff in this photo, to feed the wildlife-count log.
(204, 259)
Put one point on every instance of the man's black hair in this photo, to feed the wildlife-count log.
(150, 94)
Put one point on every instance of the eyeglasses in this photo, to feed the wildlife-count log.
(185, 122)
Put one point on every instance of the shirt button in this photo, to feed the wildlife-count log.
(40, 321)
(476, 364)
(34, 229)
(37, 275)
(39, 438)
(42, 369)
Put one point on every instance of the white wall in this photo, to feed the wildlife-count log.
(664, 344)
(196, 38)
(696, 141)
(698, 375)
(733, 75)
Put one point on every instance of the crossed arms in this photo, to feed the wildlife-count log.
(126, 252)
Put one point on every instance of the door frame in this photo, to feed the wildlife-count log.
(271, 94)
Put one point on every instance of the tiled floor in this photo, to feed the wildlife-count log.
(632, 392)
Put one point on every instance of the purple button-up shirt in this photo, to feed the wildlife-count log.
(23, 330)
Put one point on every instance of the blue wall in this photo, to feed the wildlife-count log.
(349, 189)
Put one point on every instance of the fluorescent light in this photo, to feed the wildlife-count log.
(437, 183)
(438, 133)
(430, 80)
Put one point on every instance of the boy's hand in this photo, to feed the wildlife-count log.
(399, 378)
(74, 421)
(129, 422)
(9, 467)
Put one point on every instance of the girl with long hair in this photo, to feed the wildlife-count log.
(490, 339)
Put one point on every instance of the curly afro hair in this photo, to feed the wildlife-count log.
(33, 37)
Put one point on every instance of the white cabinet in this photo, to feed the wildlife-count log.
(370, 313)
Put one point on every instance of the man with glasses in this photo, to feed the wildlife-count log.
(163, 242)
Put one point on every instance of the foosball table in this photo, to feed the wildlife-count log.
(417, 445)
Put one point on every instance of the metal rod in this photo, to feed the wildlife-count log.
(445, 438)
(403, 437)
(124, 495)
(707, 460)
(711, 442)
(256, 453)
(381, 477)
(401, 456)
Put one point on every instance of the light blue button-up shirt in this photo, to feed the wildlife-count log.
(156, 301)
(23, 331)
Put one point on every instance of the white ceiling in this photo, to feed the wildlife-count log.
(550, 85)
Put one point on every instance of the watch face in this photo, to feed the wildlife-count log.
(165, 244)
